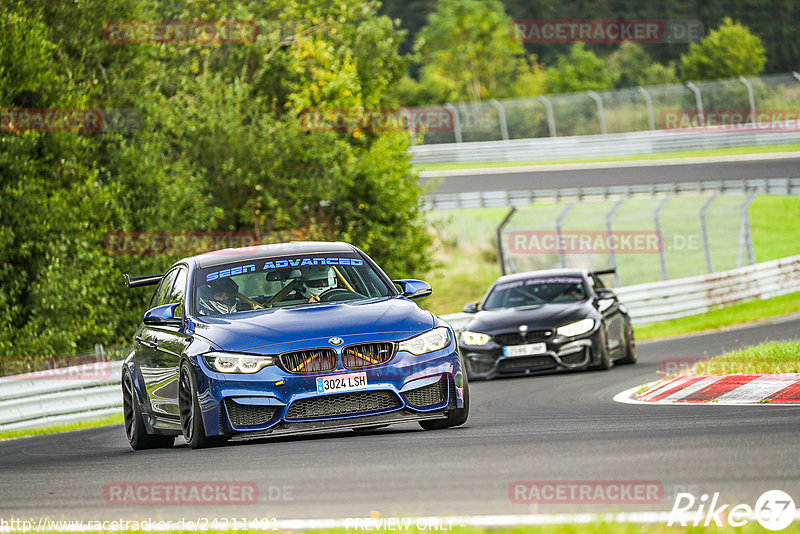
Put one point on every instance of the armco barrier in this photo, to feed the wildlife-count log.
(586, 146)
(33, 402)
(682, 297)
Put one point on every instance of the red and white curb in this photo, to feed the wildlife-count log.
(742, 389)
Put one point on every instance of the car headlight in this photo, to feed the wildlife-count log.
(474, 338)
(575, 329)
(429, 341)
(227, 362)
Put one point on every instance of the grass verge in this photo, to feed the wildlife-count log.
(114, 419)
(711, 152)
(736, 314)
(771, 357)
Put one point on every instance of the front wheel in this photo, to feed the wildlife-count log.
(455, 417)
(630, 347)
(134, 422)
(191, 416)
(605, 362)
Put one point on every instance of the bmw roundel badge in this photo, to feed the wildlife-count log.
(335, 341)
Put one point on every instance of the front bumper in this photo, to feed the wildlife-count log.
(276, 402)
(489, 361)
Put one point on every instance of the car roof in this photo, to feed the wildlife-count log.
(234, 255)
(540, 274)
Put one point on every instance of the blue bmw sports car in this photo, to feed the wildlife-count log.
(286, 338)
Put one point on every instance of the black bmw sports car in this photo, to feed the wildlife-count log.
(544, 321)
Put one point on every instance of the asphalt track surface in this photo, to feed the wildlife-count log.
(610, 174)
(563, 427)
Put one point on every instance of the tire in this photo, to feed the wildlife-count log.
(630, 347)
(191, 416)
(605, 362)
(135, 430)
(455, 417)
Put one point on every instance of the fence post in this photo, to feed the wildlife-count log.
(498, 236)
(704, 230)
(750, 98)
(796, 75)
(563, 215)
(745, 235)
(698, 99)
(600, 112)
(456, 122)
(551, 120)
(612, 253)
(662, 256)
(649, 102)
(501, 114)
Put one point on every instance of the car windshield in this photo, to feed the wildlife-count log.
(285, 281)
(533, 291)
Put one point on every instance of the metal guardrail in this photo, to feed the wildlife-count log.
(682, 297)
(51, 397)
(621, 144)
(503, 199)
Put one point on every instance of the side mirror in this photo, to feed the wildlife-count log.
(413, 289)
(163, 315)
(471, 307)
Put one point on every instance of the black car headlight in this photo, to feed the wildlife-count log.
(474, 338)
(429, 341)
(229, 362)
(575, 329)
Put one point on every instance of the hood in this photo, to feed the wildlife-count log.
(539, 317)
(261, 331)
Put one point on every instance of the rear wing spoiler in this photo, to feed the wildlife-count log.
(141, 281)
(613, 270)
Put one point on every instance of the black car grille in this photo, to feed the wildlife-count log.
(526, 362)
(343, 404)
(248, 415)
(518, 338)
(308, 361)
(367, 354)
(429, 395)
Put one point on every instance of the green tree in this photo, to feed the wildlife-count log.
(730, 50)
(468, 53)
(220, 147)
(631, 66)
(580, 70)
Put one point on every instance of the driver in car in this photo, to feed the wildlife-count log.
(315, 281)
(217, 296)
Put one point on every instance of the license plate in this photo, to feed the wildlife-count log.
(525, 350)
(348, 382)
